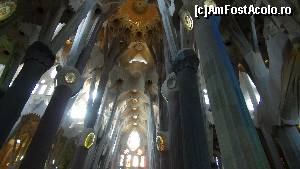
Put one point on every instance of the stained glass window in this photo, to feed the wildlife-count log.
(134, 140)
(135, 161)
(122, 160)
(128, 161)
(142, 164)
(132, 156)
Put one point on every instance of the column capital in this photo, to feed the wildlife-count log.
(41, 53)
(186, 58)
(69, 76)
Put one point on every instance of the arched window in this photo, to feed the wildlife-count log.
(133, 154)
(134, 140)
(2, 67)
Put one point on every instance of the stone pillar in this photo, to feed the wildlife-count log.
(162, 157)
(72, 25)
(114, 158)
(81, 37)
(51, 21)
(195, 146)
(38, 60)
(175, 148)
(154, 161)
(98, 100)
(98, 130)
(259, 71)
(103, 139)
(109, 62)
(69, 83)
(239, 142)
(288, 138)
(115, 139)
(167, 25)
(82, 151)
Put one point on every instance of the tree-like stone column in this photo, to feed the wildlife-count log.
(69, 83)
(104, 138)
(38, 60)
(175, 130)
(195, 146)
(154, 161)
(239, 142)
(82, 149)
(289, 140)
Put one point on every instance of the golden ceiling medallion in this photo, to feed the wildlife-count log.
(89, 140)
(7, 9)
(136, 21)
(160, 143)
(187, 20)
(210, 3)
(70, 77)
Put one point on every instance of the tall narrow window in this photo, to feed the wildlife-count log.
(43, 89)
(135, 161)
(53, 73)
(132, 156)
(2, 67)
(142, 164)
(128, 161)
(35, 89)
(50, 90)
(16, 74)
(122, 160)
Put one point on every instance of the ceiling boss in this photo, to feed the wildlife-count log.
(7, 8)
(186, 19)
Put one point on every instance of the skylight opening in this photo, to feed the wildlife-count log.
(138, 58)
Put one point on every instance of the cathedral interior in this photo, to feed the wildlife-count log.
(143, 84)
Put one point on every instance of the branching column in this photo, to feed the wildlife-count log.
(109, 62)
(38, 60)
(259, 72)
(104, 138)
(289, 140)
(152, 150)
(283, 74)
(114, 140)
(69, 83)
(92, 107)
(82, 151)
(239, 143)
